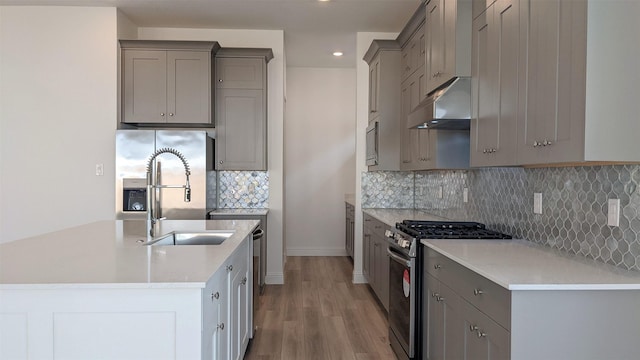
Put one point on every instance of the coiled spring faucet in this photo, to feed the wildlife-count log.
(151, 218)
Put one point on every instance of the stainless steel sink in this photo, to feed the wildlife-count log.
(194, 238)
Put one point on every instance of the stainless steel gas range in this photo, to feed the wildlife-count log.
(405, 275)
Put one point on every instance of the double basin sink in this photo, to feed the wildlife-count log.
(193, 238)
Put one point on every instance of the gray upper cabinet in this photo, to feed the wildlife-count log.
(447, 41)
(374, 81)
(241, 112)
(167, 82)
(495, 75)
(413, 53)
(384, 62)
(577, 100)
(240, 73)
(553, 93)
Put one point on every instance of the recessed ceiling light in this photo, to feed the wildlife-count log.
(338, 53)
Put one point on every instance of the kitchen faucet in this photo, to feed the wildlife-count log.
(151, 218)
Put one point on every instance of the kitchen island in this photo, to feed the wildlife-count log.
(97, 291)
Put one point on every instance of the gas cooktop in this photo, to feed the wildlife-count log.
(448, 230)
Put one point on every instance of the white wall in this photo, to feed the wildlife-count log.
(362, 102)
(58, 72)
(273, 39)
(320, 158)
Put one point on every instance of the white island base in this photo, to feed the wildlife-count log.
(198, 317)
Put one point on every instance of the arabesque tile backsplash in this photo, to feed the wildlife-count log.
(243, 190)
(574, 217)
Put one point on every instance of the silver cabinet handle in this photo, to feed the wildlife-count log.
(477, 292)
(161, 114)
(221, 326)
(219, 80)
(473, 328)
(439, 299)
(221, 161)
(535, 144)
(230, 268)
(170, 114)
(434, 295)
(244, 281)
(215, 295)
(437, 266)
(481, 334)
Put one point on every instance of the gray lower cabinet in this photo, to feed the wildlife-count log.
(442, 316)
(349, 229)
(467, 316)
(167, 82)
(375, 258)
(241, 109)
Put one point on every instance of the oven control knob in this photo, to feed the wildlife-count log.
(388, 233)
(404, 243)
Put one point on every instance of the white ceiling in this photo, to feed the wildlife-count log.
(313, 29)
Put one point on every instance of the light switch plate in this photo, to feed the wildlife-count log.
(465, 195)
(613, 212)
(537, 203)
(99, 169)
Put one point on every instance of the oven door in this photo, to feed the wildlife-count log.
(402, 304)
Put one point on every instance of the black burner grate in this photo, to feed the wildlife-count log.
(448, 230)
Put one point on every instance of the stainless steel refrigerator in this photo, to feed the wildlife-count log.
(133, 150)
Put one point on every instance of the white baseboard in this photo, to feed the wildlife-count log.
(274, 278)
(316, 252)
(358, 278)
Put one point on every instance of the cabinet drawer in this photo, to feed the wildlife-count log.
(489, 297)
(374, 224)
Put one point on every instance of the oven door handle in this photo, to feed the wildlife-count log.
(399, 259)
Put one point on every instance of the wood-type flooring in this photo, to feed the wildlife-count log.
(319, 314)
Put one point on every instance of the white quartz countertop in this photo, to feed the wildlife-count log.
(393, 216)
(244, 212)
(350, 199)
(522, 265)
(107, 254)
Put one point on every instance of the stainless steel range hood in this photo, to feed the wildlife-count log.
(448, 108)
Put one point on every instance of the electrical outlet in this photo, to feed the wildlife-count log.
(99, 169)
(613, 212)
(440, 192)
(537, 203)
(465, 195)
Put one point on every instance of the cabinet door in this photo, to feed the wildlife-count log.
(241, 132)
(433, 320)
(382, 270)
(240, 73)
(188, 87)
(366, 241)
(144, 94)
(374, 87)
(239, 309)
(483, 338)
(495, 66)
(553, 90)
(434, 45)
(214, 300)
(408, 137)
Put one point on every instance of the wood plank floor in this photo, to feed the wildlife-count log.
(319, 314)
